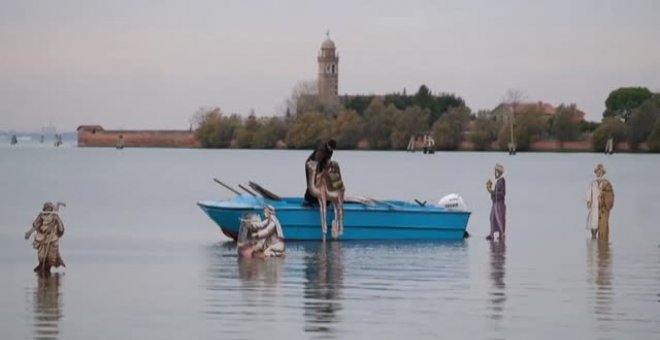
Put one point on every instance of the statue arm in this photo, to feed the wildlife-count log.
(60, 226)
(265, 231)
(37, 222)
(260, 225)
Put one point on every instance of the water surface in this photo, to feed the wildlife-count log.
(144, 262)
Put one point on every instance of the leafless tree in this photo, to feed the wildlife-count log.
(513, 97)
(304, 96)
(198, 116)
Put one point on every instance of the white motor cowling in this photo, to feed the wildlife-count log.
(453, 202)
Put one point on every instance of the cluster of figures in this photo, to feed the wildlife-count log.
(599, 198)
(261, 238)
(265, 238)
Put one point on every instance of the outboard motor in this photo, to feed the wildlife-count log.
(453, 202)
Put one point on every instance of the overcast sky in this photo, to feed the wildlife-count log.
(151, 64)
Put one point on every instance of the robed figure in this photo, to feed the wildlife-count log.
(600, 200)
(322, 156)
(268, 233)
(48, 229)
(261, 239)
(498, 209)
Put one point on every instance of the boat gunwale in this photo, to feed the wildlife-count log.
(365, 209)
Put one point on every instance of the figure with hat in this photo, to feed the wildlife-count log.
(322, 155)
(600, 200)
(48, 229)
(268, 235)
(498, 209)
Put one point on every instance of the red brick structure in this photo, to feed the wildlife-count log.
(96, 136)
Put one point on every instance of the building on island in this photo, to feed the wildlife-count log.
(547, 110)
(96, 136)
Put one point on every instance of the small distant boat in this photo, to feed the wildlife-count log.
(381, 220)
(14, 140)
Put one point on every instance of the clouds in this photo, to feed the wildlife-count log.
(151, 64)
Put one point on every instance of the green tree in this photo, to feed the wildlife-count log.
(244, 134)
(609, 128)
(215, 130)
(407, 123)
(484, 131)
(307, 130)
(358, 103)
(377, 124)
(641, 123)
(271, 130)
(588, 127)
(566, 123)
(423, 98)
(345, 129)
(654, 137)
(528, 127)
(622, 101)
(448, 130)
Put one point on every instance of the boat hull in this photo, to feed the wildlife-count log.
(390, 220)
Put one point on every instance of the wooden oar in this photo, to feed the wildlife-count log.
(247, 190)
(388, 204)
(227, 187)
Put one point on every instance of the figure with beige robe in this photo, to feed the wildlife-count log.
(600, 200)
(48, 229)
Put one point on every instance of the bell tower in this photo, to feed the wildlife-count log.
(328, 78)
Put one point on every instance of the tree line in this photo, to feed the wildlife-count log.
(387, 122)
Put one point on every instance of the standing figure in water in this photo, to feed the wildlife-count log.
(49, 229)
(498, 210)
(600, 200)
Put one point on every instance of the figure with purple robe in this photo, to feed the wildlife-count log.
(498, 209)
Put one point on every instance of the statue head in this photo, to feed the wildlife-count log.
(333, 167)
(499, 170)
(600, 170)
(48, 206)
(269, 210)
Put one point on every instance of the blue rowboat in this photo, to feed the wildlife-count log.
(382, 220)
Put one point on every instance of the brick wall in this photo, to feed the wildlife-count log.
(143, 138)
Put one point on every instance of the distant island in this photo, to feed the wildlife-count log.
(398, 121)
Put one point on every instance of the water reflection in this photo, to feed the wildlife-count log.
(497, 275)
(263, 272)
(324, 277)
(600, 266)
(243, 291)
(47, 306)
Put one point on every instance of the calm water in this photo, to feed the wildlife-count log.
(143, 262)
